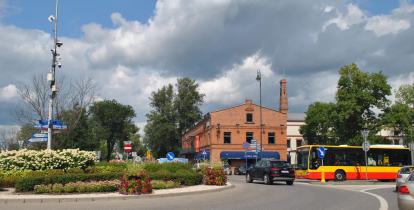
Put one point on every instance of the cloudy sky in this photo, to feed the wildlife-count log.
(131, 48)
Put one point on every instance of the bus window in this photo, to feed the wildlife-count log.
(302, 158)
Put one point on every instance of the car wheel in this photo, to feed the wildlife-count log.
(289, 182)
(248, 178)
(266, 179)
(340, 175)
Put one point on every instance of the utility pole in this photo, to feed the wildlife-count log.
(259, 79)
(51, 77)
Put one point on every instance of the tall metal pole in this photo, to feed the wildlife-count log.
(52, 76)
(365, 147)
(259, 78)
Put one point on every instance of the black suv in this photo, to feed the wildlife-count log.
(270, 171)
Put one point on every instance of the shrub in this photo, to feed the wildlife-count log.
(8, 178)
(136, 184)
(214, 176)
(46, 159)
(27, 184)
(183, 177)
(78, 187)
(160, 184)
(109, 167)
(171, 167)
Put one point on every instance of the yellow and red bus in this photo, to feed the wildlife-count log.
(348, 162)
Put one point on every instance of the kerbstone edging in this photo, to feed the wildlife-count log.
(199, 189)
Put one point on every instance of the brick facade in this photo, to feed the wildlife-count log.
(209, 133)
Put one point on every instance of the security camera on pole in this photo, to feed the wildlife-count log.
(51, 77)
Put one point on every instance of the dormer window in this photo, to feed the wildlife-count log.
(249, 117)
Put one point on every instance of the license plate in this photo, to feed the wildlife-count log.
(285, 172)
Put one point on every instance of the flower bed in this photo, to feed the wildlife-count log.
(136, 184)
(46, 159)
(215, 175)
(79, 187)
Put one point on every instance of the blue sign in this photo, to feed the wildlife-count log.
(39, 135)
(321, 152)
(170, 156)
(33, 140)
(204, 152)
(44, 124)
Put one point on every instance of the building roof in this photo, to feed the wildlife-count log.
(296, 116)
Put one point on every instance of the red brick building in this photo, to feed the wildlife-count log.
(222, 133)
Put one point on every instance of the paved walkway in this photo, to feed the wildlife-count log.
(9, 195)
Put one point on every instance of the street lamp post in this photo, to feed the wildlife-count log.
(51, 77)
(259, 79)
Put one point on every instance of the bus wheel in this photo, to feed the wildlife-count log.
(340, 175)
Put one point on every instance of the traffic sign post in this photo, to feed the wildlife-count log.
(170, 156)
(411, 146)
(365, 147)
(321, 154)
(127, 148)
(204, 153)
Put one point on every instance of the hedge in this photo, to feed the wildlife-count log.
(27, 184)
(171, 167)
(79, 187)
(183, 177)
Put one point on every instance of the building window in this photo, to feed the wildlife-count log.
(249, 137)
(271, 138)
(288, 143)
(227, 137)
(299, 143)
(249, 117)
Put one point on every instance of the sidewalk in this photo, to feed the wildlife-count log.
(10, 197)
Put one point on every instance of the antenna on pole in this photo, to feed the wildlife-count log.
(51, 76)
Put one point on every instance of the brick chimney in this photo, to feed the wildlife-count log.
(283, 100)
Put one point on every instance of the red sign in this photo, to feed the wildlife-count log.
(127, 147)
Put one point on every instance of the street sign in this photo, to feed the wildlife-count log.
(134, 154)
(246, 145)
(321, 152)
(39, 135)
(127, 147)
(170, 156)
(33, 140)
(204, 152)
(411, 146)
(365, 146)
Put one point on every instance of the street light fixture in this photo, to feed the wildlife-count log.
(259, 79)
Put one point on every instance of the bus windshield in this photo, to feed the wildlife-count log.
(302, 158)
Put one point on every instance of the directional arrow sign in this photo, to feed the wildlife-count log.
(39, 135)
(32, 140)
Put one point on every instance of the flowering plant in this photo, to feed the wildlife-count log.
(136, 184)
(46, 159)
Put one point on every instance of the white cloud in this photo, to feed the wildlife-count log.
(353, 16)
(8, 92)
(383, 25)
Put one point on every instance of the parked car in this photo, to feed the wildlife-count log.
(227, 168)
(270, 170)
(241, 170)
(406, 193)
(402, 175)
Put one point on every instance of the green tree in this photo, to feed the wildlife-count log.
(399, 117)
(187, 104)
(114, 121)
(25, 133)
(79, 133)
(405, 95)
(161, 130)
(319, 124)
(358, 94)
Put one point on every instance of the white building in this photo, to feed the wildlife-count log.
(294, 138)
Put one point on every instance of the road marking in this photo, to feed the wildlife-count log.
(383, 202)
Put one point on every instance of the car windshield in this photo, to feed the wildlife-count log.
(406, 170)
(280, 164)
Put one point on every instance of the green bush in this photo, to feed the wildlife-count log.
(104, 167)
(78, 187)
(171, 167)
(215, 176)
(160, 184)
(8, 178)
(183, 177)
(27, 184)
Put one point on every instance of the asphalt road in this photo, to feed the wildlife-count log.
(389, 195)
(243, 197)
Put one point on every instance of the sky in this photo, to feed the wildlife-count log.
(131, 48)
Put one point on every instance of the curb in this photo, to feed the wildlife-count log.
(107, 198)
